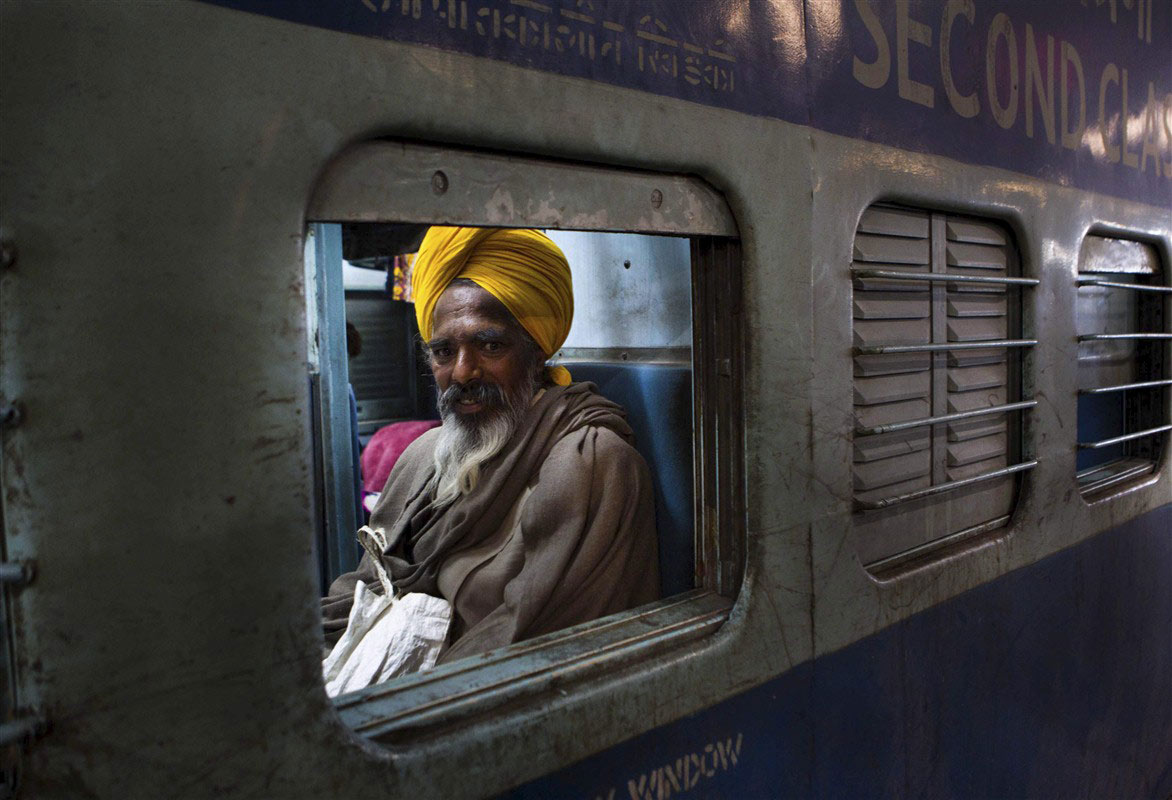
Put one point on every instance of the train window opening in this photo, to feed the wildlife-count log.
(1123, 380)
(655, 330)
(938, 361)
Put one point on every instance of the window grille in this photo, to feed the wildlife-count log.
(1123, 334)
(937, 381)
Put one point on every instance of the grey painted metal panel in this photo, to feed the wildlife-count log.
(629, 291)
(395, 182)
(192, 413)
(1112, 254)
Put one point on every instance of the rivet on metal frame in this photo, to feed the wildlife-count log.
(11, 415)
(439, 182)
(656, 198)
(8, 253)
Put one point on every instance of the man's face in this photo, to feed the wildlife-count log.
(478, 351)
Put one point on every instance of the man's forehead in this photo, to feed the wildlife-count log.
(469, 304)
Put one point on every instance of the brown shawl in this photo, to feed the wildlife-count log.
(588, 528)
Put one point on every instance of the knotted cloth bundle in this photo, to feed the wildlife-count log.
(522, 268)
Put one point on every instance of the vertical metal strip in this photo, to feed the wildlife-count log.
(732, 533)
(718, 446)
(939, 317)
(1016, 361)
(703, 448)
(338, 476)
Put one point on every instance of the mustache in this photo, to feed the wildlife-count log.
(488, 394)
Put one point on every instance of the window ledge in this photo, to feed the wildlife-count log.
(1097, 480)
(400, 711)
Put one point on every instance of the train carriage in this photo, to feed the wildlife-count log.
(884, 288)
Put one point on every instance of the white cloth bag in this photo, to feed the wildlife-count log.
(385, 636)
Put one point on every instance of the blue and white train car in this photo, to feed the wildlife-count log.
(884, 286)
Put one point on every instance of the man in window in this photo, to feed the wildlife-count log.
(528, 509)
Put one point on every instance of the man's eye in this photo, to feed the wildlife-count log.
(441, 352)
(494, 347)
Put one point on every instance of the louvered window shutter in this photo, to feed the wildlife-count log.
(897, 388)
(383, 373)
(892, 388)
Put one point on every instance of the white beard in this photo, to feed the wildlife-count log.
(464, 445)
(461, 449)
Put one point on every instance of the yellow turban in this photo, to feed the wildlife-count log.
(523, 269)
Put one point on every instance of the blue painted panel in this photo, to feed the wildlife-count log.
(1100, 416)
(341, 488)
(658, 401)
(868, 70)
(1054, 681)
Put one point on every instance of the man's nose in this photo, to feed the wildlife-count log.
(467, 366)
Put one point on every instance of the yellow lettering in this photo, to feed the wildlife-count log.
(967, 105)
(655, 786)
(1071, 139)
(728, 753)
(1034, 81)
(1151, 133)
(1001, 28)
(1168, 133)
(875, 74)
(1130, 159)
(674, 775)
(1110, 75)
(907, 28)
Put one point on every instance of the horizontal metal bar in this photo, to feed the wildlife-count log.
(1127, 437)
(19, 729)
(881, 349)
(1096, 337)
(678, 606)
(887, 502)
(387, 712)
(897, 559)
(1123, 387)
(1104, 476)
(16, 572)
(1118, 285)
(459, 704)
(660, 356)
(917, 423)
(447, 186)
(896, 275)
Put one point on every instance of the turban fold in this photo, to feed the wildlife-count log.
(523, 269)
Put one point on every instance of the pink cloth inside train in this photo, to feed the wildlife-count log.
(384, 449)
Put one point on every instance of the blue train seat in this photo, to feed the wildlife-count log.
(658, 401)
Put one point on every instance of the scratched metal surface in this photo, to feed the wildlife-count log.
(155, 167)
(1071, 698)
(1049, 225)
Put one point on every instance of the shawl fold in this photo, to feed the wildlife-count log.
(588, 528)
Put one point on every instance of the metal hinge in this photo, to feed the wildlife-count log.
(17, 573)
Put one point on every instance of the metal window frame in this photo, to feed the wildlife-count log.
(331, 395)
(388, 181)
(1147, 420)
